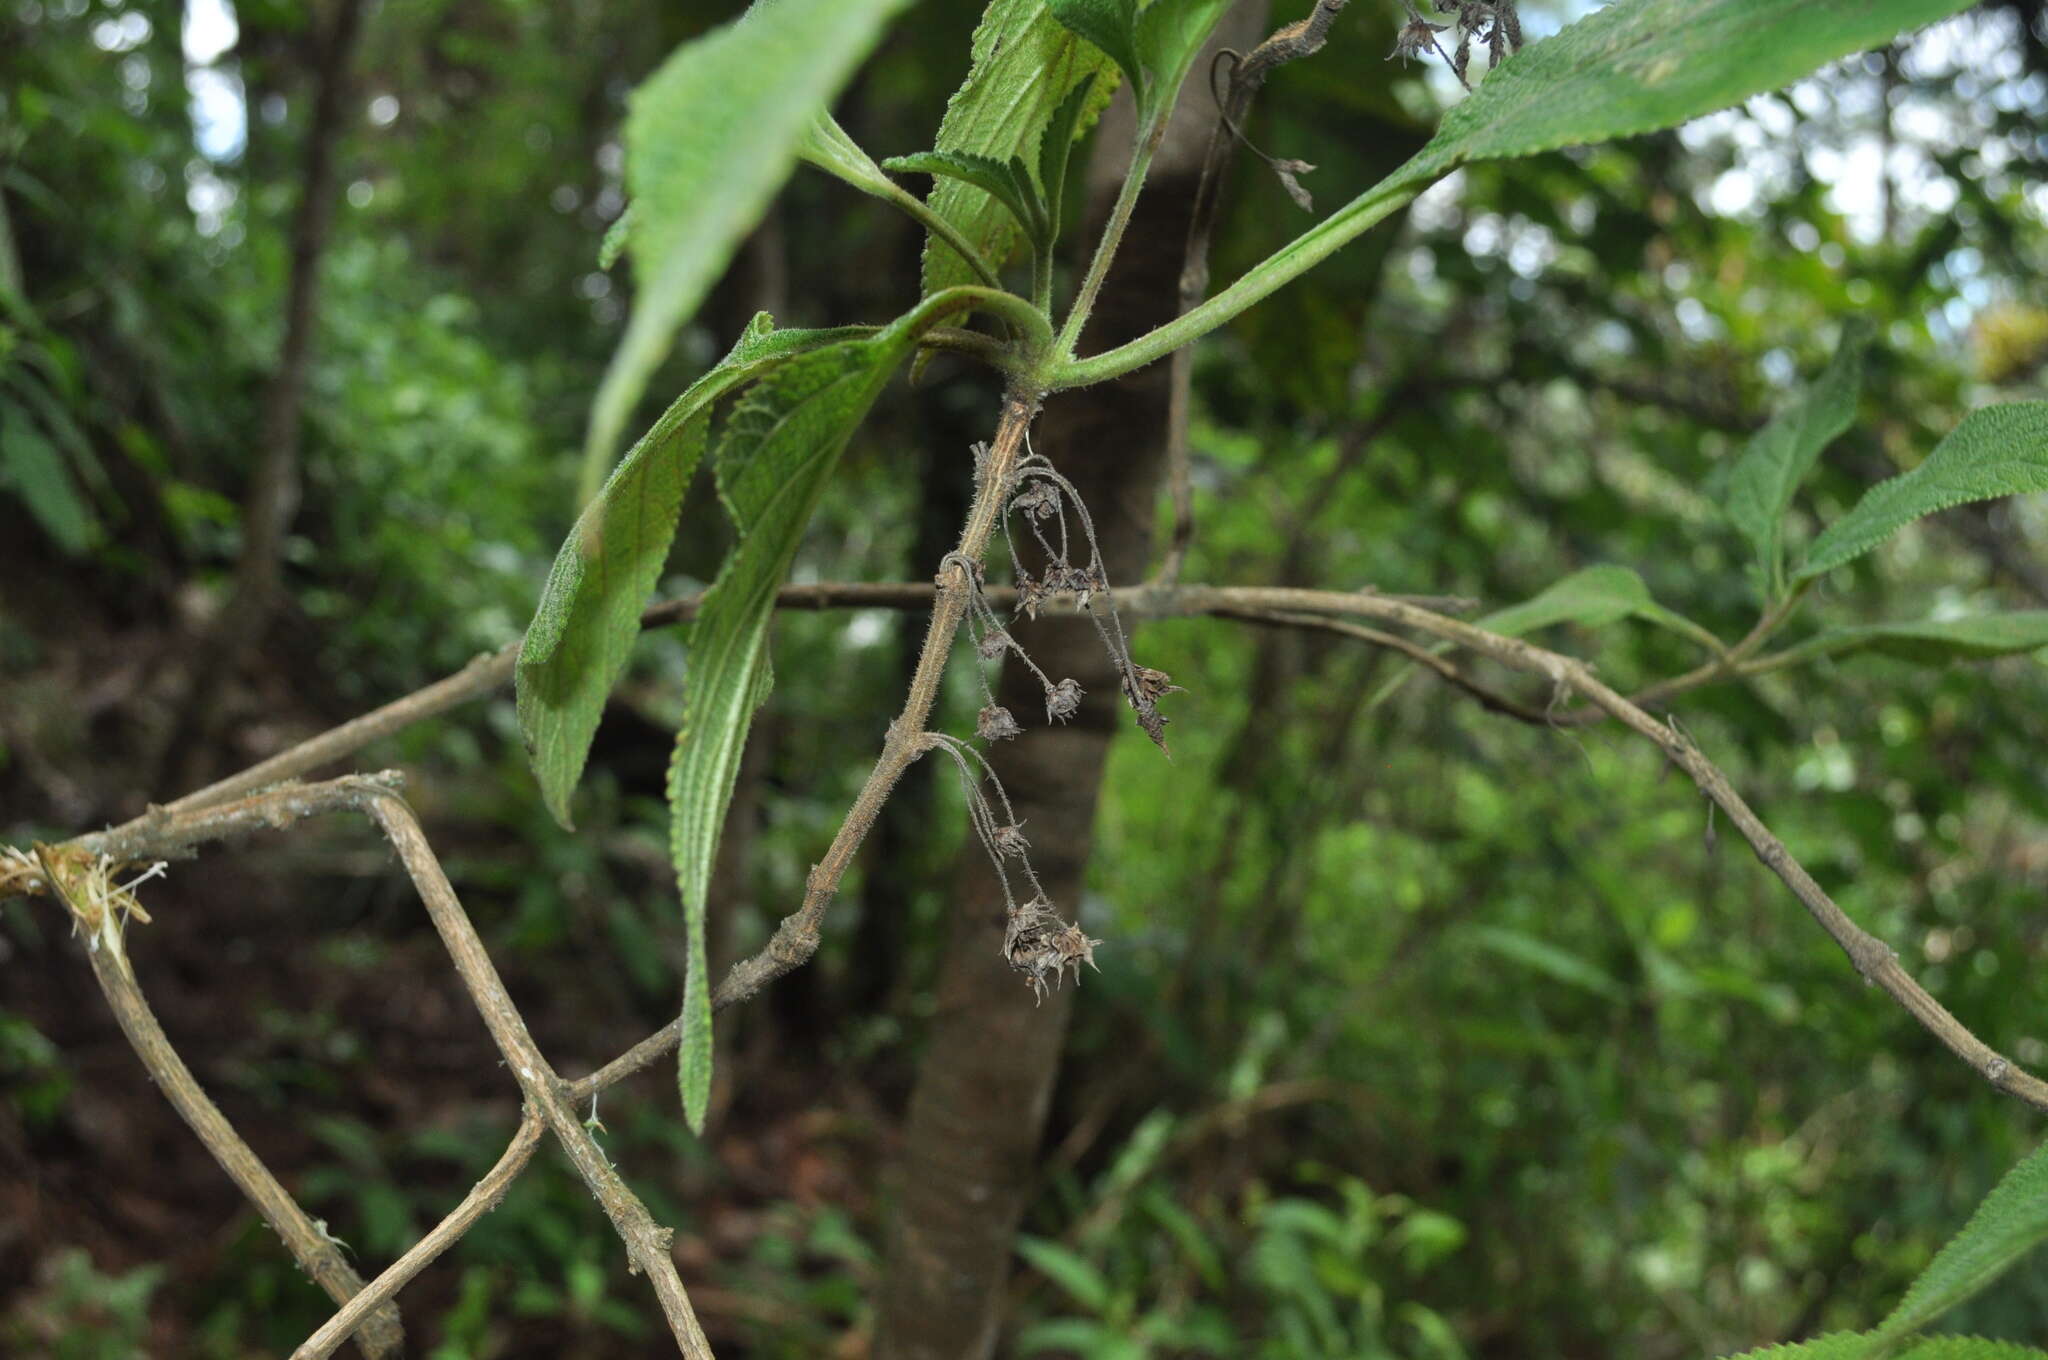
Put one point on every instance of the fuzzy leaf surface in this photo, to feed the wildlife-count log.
(2011, 1222)
(1008, 182)
(1023, 65)
(1864, 1346)
(776, 452)
(1638, 65)
(710, 137)
(1593, 596)
(1937, 642)
(588, 619)
(1781, 454)
(1997, 451)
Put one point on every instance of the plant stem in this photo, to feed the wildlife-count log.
(938, 226)
(1284, 265)
(1112, 235)
(796, 938)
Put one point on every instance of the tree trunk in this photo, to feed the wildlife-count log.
(986, 1079)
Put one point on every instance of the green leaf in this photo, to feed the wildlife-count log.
(776, 452)
(829, 147)
(1073, 1336)
(1629, 67)
(1638, 65)
(588, 619)
(1998, 451)
(33, 469)
(1112, 26)
(1863, 1346)
(613, 244)
(1594, 596)
(1934, 642)
(2011, 1221)
(1546, 958)
(1009, 182)
(1023, 67)
(1057, 145)
(1170, 33)
(709, 138)
(1069, 1270)
(1784, 451)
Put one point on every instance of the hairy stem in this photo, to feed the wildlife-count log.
(1112, 236)
(1283, 266)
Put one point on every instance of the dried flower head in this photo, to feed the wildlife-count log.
(1031, 593)
(1043, 947)
(1288, 170)
(1080, 582)
(995, 723)
(1063, 700)
(1010, 840)
(1417, 38)
(1039, 500)
(1075, 948)
(1146, 683)
(993, 644)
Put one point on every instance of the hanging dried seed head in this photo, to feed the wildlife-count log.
(1075, 948)
(1146, 683)
(1042, 947)
(1080, 582)
(1063, 700)
(1031, 593)
(1039, 500)
(1010, 840)
(995, 723)
(993, 644)
(1417, 38)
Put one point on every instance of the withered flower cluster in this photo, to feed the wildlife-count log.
(1036, 941)
(1491, 23)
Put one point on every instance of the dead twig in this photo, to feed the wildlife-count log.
(483, 1198)
(81, 880)
(647, 1244)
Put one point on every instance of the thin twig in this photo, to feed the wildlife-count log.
(483, 1198)
(163, 831)
(68, 870)
(796, 938)
(1871, 956)
(491, 671)
(1874, 959)
(647, 1244)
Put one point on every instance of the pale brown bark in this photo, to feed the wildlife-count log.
(985, 1082)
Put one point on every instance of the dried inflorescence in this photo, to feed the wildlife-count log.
(1036, 941)
(1043, 947)
(1042, 500)
(1491, 23)
(996, 723)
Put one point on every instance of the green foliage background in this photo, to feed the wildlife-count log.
(1418, 1033)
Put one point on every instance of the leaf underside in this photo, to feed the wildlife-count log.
(1997, 451)
(588, 619)
(776, 453)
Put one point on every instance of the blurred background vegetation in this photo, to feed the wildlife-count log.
(1418, 1033)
